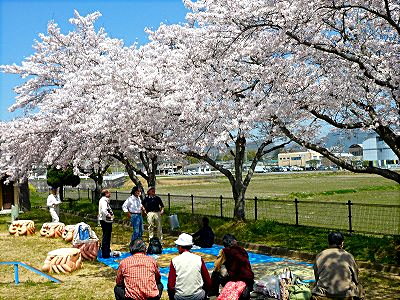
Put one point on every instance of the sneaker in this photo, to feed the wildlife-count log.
(115, 254)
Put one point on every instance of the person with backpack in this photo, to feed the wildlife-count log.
(153, 208)
(133, 208)
(188, 277)
(138, 276)
(336, 272)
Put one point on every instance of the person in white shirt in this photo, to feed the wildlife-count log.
(188, 278)
(133, 208)
(53, 202)
(106, 217)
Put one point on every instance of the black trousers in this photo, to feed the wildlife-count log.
(106, 240)
(217, 280)
(119, 292)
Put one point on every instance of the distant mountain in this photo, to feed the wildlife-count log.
(343, 140)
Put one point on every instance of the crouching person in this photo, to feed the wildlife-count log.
(233, 260)
(336, 272)
(138, 276)
(188, 278)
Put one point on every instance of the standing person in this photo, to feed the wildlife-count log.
(138, 276)
(154, 208)
(204, 237)
(188, 277)
(53, 204)
(336, 272)
(133, 208)
(237, 264)
(106, 217)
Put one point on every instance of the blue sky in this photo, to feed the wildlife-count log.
(22, 20)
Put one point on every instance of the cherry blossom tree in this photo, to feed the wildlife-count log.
(220, 109)
(335, 63)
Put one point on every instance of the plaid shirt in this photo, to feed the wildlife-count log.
(139, 274)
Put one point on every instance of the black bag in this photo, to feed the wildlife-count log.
(155, 246)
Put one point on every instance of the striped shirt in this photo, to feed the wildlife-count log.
(140, 274)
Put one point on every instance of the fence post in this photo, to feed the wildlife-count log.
(349, 204)
(169, 202)
(116, 195)
(297, 210)
(255, 208)
(220, 205)
(79, 194)
(192, 197)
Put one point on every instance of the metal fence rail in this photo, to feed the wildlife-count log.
(349, 216)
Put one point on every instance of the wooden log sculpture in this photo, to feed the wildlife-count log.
(63, 260)
(52, 230)
(22, 227)
(89, 249)
(68, 233)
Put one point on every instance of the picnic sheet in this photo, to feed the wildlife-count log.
(261, 264)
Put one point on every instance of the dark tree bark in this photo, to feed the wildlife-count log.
(239, 183)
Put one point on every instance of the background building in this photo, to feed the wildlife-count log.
(378, 153)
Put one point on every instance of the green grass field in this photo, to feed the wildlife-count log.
(319, 186)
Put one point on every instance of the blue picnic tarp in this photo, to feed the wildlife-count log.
(255, 259)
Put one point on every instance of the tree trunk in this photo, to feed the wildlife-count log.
(150, 163)
(238, 184)
(131, 170)
(239, 192)
(24, 200)
(61, 192)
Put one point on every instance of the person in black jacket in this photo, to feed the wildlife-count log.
(204, 237)
(153, 208)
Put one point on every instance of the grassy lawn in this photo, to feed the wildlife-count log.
(93, 281)
(96, 281)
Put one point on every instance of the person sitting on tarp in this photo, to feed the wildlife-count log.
(235, 260)
(204, 238)
(138, 276)
(336, 272)
(188, 277)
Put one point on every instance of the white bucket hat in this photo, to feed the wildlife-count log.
(184, 240)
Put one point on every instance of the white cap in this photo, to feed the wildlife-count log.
(184, 240)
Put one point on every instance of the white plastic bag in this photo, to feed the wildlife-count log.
(173, 221)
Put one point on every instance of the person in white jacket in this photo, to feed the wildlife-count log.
(53, 202)
(106, 217)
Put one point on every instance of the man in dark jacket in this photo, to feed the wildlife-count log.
(204, 238)
(153, 208)
(237, 264)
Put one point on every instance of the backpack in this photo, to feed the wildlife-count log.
(83, 233)
(155, 246)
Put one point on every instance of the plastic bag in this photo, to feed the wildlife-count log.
(173, 221)
(268, 286)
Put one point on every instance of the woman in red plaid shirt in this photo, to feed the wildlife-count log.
(138, 276)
